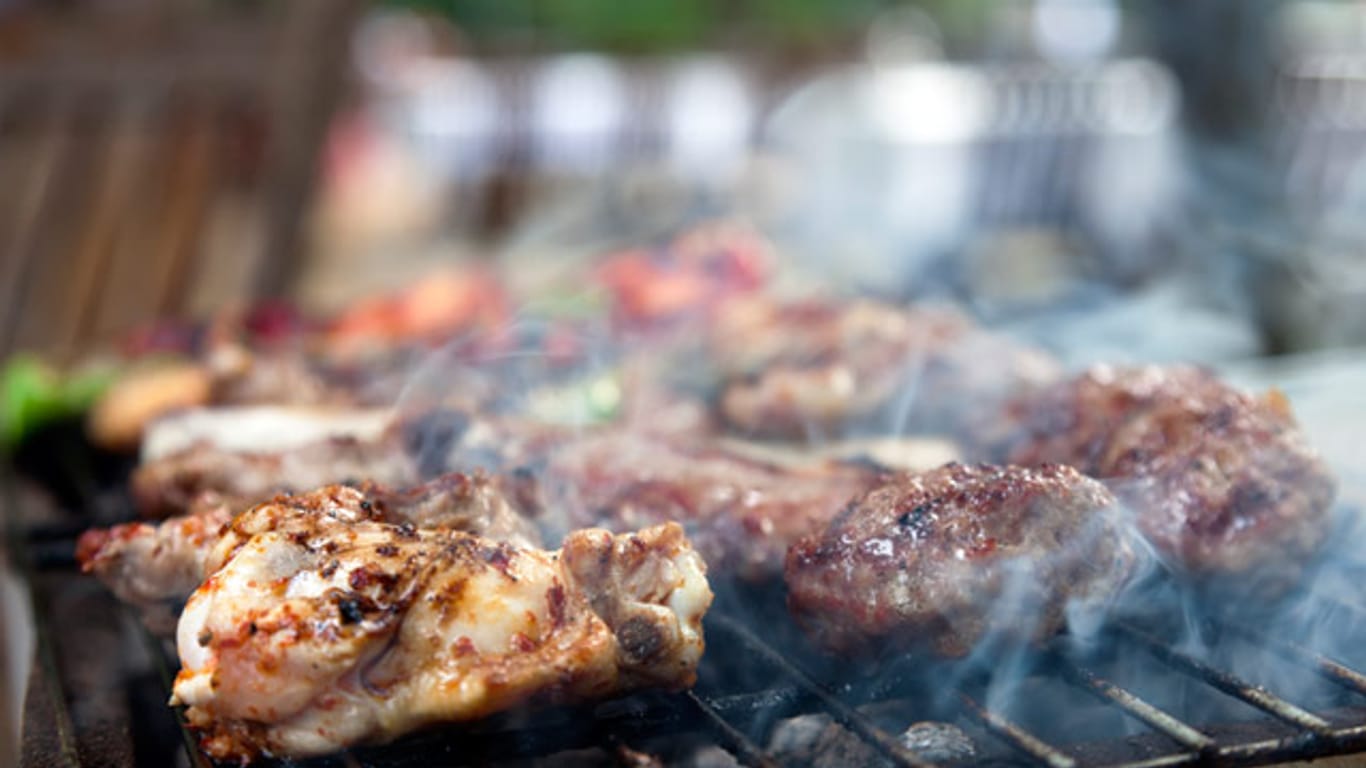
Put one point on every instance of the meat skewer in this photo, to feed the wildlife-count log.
(322, 626)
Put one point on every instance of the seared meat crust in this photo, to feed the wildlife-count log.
(1221, 482)
(324, 626)
(156, 566)
(947, 556)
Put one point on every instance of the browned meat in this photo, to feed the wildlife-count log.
(322, 626)
(167, 486)
(1222, 482)
(157, 566)
(825, 370)
(418, 445)
(741, 513)
(948, 556)
(277, 377)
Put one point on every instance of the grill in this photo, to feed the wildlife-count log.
(97, 689)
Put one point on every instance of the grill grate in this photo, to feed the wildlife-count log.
(735, 708)
(1160, 721)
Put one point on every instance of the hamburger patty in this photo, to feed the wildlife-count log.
(1222, 482)
(947, 556)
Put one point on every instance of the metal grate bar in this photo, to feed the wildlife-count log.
(1166, 761)
(1016, 736)
(735, 742)
(1335, 671)
(846, 715)
(44, 655)
(1302, 747)
(51, 679)
(166, 676)
(1136, 707)
(1256, 696)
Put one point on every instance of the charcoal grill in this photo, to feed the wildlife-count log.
(98, 685)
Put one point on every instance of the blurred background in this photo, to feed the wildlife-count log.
(1192, 171)
(1122, 180)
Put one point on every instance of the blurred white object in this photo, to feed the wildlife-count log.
(455, 117)
(259, 428)
(710, 117)
(578, 111)
(1075, 30)
(884, 161)
(1133, 173)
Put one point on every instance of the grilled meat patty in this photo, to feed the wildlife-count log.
(820, 370)
(1222, 482)
(948, 556)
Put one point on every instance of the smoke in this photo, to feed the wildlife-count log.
(897, 229)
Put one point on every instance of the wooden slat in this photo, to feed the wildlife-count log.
(41, 321)
(128, 280)
(159, 238)
(116, 189)
(196, 165)
(130, 189)
(314, 46)
(33, 206)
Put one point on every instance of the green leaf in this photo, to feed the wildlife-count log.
(30, 394)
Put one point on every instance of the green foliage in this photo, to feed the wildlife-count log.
(649, 26)
(33, 393)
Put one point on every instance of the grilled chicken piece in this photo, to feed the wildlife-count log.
(323, 625)
(157, 566)
(952, 555)
(1221, 482)
(817, 369)
(742, 513)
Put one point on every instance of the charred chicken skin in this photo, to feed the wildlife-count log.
(324, 626)
(1222, 482)
(157, 566)
(951, 555)
(820, 369)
